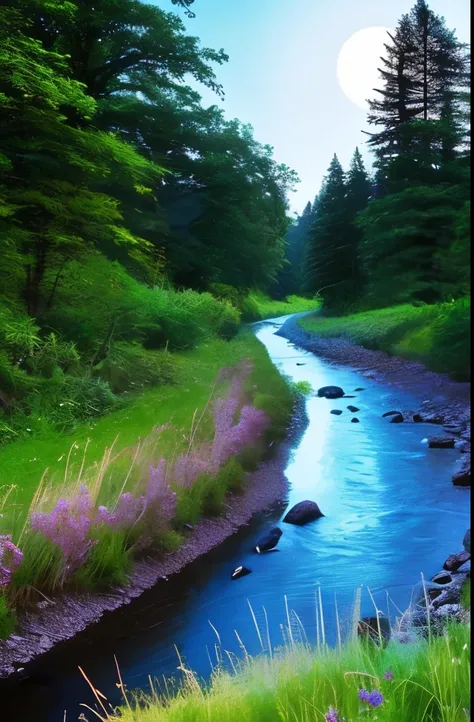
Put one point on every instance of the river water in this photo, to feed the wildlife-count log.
(391, 512)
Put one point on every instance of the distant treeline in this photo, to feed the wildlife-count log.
(403, 234)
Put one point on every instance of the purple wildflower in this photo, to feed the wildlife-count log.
(160, 499)
(388, 675)
(67, 526)
(332, 715)
(10, 559)
(374, 698)
(126, 513)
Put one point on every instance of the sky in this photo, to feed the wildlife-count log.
(281, 75)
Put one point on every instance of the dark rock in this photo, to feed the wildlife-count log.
(300, 364)
(441, 442)
(355, 420)
(450, 595)
(330, 392)
(269, 540)
(375, 628)
(391, 413)
(454, 561)
(465, 570)
(240, 572)
(336, 412)
(353, 409)
(396, 419)
(417, 418)
(188, 526)
(346, 396)
(359, 389)
(442, 578)
(467, 541)
(463, 476)
(433, 419)
(303, 513)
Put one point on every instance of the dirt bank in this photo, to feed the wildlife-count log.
(68, 614)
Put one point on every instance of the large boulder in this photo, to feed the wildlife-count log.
(303, 513)
(442, 578)
(467, 541)
(269, 540)
(441, 442)
(330, 392)
(455, 561)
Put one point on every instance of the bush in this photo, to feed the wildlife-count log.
(131, 367)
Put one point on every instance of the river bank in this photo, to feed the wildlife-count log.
(441, 400)
(62, 618)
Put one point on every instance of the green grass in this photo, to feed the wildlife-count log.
(438, 335)
(257, 306)
(22, 463)
(466, 594)
(298, 684)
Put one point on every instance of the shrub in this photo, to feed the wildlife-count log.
(131, 367)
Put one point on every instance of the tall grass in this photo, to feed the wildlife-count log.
(426, 680)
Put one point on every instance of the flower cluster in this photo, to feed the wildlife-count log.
(374, 698)
(388, 675)
(10, 559)
(332, 715)
(160, 499)
(67, 526)
(126, 513)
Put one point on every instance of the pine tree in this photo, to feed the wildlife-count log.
(359, 190)
(327, 262)
(424, 67)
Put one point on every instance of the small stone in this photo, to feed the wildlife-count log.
(417, 418)
(454, 561)
(353, 409)
(359, 388)
(336, 412)
(396, 419)
(355, 420)
(441, 442)
(240, 572)
(391, 413)
(268, 541)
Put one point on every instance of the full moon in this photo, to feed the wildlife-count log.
(358, 62)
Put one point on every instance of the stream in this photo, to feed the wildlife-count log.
(391, 512)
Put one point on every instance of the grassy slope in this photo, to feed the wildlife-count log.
(430, 684)
(438, 336)
(258, 306)
(22, 463)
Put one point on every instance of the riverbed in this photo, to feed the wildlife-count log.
(391, 513)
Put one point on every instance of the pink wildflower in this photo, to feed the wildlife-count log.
(10, 559)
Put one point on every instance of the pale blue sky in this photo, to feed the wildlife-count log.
(281, 75)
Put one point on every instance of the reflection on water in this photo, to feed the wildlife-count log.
(391, 513)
